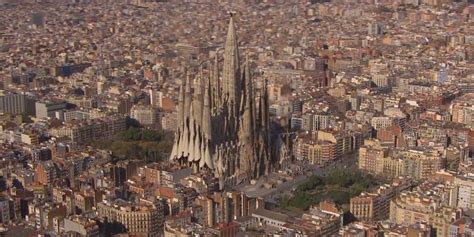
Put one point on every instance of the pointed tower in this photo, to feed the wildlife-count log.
(246, 132)
(187, 124)
(231, 71)
(187, 97)
(265, 157)
(198, 99)
(264, 113)
(206, 114)
(181, 108)
(176, 152)
(223, 129)
(206, 146)
(247, 104)
(215, 83)
(267, 107)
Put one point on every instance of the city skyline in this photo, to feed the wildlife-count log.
(152, 118)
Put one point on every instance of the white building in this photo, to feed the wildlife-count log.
(147, 116)
(465, 191)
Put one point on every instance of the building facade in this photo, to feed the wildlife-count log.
(144, 219)
(48, 109)
(146, 116)
(411, 208)
(375, 206)
(15, 104)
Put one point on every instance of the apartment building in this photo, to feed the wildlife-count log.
(143, 218)
(375, 206)
(415, 207)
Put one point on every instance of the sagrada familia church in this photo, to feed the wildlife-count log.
(223, 123)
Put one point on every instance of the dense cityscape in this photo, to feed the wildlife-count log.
(174, 118)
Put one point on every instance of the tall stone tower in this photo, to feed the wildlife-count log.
(223, 127)
(231, 73)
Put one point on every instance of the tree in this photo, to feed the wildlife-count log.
(132, 123)
(150, 135)
(131, 134)
(340, 185)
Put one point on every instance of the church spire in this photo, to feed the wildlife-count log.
(264, 106)
(231, 72)
(247, 123)
(206, 114)
(215, 83)
(198, 99)
(187, 96)
(181, 107)
(223, 127)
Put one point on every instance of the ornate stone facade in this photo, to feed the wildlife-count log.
(223, 124)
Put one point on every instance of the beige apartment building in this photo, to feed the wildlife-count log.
(315, 152)
(416, 163)
(370, 156)
(412, 207)
(145, 115)
(143, 219)
(375, 206)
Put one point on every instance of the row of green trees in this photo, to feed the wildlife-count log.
(339, 185)
(139, 143)
(137, 134)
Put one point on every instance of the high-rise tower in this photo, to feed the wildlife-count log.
(219, 131)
